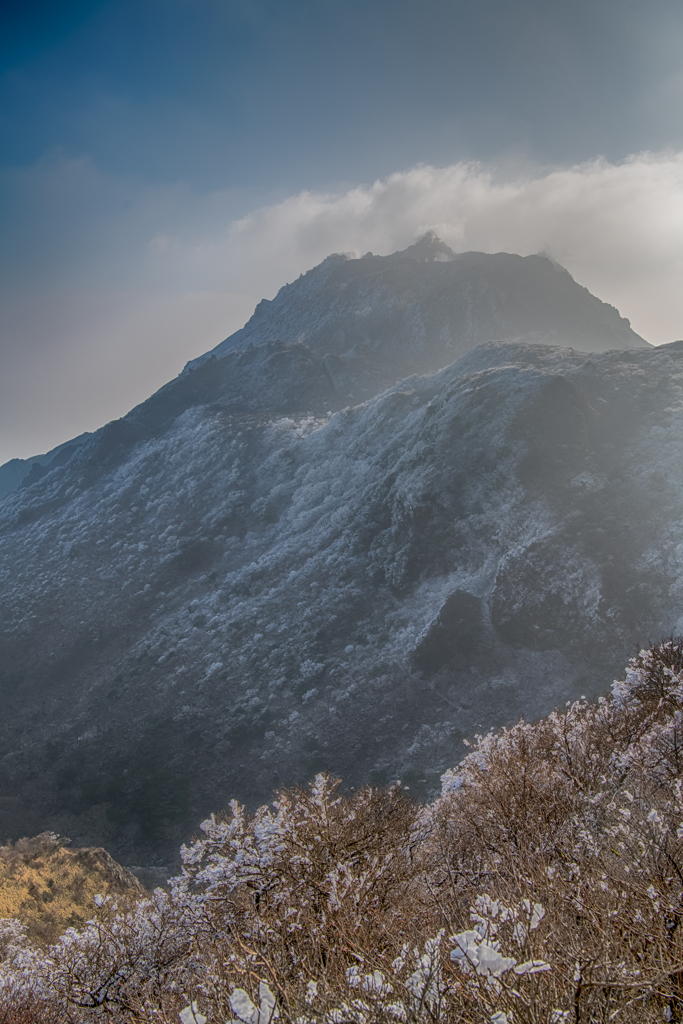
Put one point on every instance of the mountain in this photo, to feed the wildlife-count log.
(420, 309)
(294, 557)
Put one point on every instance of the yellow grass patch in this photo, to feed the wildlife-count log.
(49, 887)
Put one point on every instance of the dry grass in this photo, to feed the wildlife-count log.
(49, 887)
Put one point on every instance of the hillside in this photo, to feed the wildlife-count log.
(24, 472)
(360, 325)
(48, 887)
(236, 586)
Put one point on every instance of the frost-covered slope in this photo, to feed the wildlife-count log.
(26, 471)
(213, 602)
(420, 309)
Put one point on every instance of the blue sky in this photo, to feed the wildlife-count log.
(289, 94)
(165, 163)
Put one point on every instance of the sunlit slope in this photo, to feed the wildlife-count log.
(49, 887)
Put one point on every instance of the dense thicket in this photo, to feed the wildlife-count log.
(544, 886)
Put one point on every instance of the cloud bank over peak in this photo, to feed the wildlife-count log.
(618, 228)
(157, 277)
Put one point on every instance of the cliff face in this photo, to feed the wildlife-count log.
(236, 585)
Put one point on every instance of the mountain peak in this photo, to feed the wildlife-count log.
(426, 305)
(428, 249)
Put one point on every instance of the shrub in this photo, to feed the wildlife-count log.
(544, 886)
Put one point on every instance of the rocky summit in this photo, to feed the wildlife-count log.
(414, 497)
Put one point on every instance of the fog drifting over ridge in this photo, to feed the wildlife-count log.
(618, 228)
(180, 272)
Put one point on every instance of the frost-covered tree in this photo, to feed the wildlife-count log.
(544, 885)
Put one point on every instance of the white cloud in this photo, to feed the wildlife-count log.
(182, 275)
(618, 228)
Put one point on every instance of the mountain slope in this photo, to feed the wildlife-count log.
(26, 471)
(235, 586)
(350, 328)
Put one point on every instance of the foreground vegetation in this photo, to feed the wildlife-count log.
(545, 886)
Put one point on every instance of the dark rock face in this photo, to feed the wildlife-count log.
(246, 580)
(455, 634)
